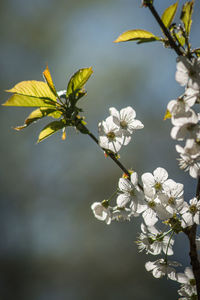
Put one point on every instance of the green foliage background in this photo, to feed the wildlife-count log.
(51, 246)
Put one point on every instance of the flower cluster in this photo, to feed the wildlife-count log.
(184, 119)
(160, 202)
(117, 129)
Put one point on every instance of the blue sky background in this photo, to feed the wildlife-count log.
(52, 247)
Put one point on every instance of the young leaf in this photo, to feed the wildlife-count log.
(139, 35)
(167, 115)
(180, 38)
(76, 83)
(22, 100)
(50, 129)
(168, 14)
(49, 81)
(186, 15)
(37, 114)
(33, 88)
(197, 52)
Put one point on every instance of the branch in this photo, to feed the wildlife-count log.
(110, 154)
(163, 27)
(191, 233)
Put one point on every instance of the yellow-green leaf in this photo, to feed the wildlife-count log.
(49, 81)
(21, 100)
(37, 114)
(50, 129)
(168, 14)
(77, 82)
(33, 88)
(186, 15)
(137, 35)
(197, 51)
(167, 115)
(180, 38)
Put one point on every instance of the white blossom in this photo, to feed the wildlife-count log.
(110, 137)
(190, 213)
(150, 214)
(154, 242)
(188, 72)
(160, 268)
(188, 129)
(188, 283)
(125, 120)
(130, 192)
(173, 200)
(101, 212)
(187, 294)
(121, 214)
(191, 96)
(155, 180)
(190, 157)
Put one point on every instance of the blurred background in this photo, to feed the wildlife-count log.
(51, 246)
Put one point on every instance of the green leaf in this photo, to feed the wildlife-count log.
(21, 100)
(50, 129)
(139, 35)
(49, 81)
(169, 14)
(75, 87)
(33, 88)
(39, 114)
(197, 51)
(180, 38)
(186, 15)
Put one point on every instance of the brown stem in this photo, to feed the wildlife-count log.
(191, 233)
(163, 27)
(110, 154)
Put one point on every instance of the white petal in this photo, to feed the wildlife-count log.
(124, 185)
(160, 175)
(114, 112)
(148, 179)
(122, 200)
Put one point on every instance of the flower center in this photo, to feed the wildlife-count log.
(193, 209)
(171, 201)
(132, 193)
(158, 186)
(111, 135)
(192, 73)
(190, 127)
(151, 204)
(192, 282)
(123, 124)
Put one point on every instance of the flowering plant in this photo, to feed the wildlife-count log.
(158, 199)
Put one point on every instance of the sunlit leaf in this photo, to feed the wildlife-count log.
(33, 88)
(21, 100)
(197, 51)
(186, 15)
(49, 81)
(50, 129)
(77, 81)
(180, 38)
(139, 35)
(168, 14)
(167, 115)
(39, 114)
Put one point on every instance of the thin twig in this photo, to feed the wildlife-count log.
(165, 30)
(191, 233)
